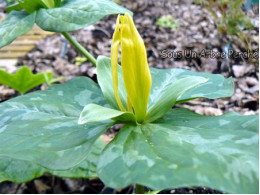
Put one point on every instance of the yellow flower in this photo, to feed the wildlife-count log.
(136, 72)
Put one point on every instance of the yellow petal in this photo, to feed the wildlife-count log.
(136, 72)
(114, 62)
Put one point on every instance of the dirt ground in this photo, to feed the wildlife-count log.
(196, 31)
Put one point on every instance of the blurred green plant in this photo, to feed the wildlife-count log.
(167, 22)
(80, 60)
(231, 20)
(24, 80)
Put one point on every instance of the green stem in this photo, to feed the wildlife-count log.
(139, 189)
(80, 48)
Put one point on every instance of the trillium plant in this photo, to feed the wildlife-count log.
(160, 146)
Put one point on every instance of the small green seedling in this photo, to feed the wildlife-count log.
(23, 80)
(167, 22)
(57, 131)
(80, 60)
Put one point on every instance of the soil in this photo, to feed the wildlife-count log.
(52, 185)
(196, 32)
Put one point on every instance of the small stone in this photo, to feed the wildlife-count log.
(204, 24)
(209, 64)
(40, 186)
(92, 71)
(9, 65)
(6, 92)
(208, 111)
(253, 90)
(249, 113)
(107, 138)
(83, 68)
(252, 81)
(240, 71)
(194, 28)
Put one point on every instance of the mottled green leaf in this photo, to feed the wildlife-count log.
(168, 97)
(15, 24)
(216, 86)
(95, 113)
(222, 154)
(42, 127)
(20, 171)
(85, 169)
(23, 80)
(76, 14)
(231, 120)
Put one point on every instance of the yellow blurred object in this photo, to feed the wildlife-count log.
(136, 72)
